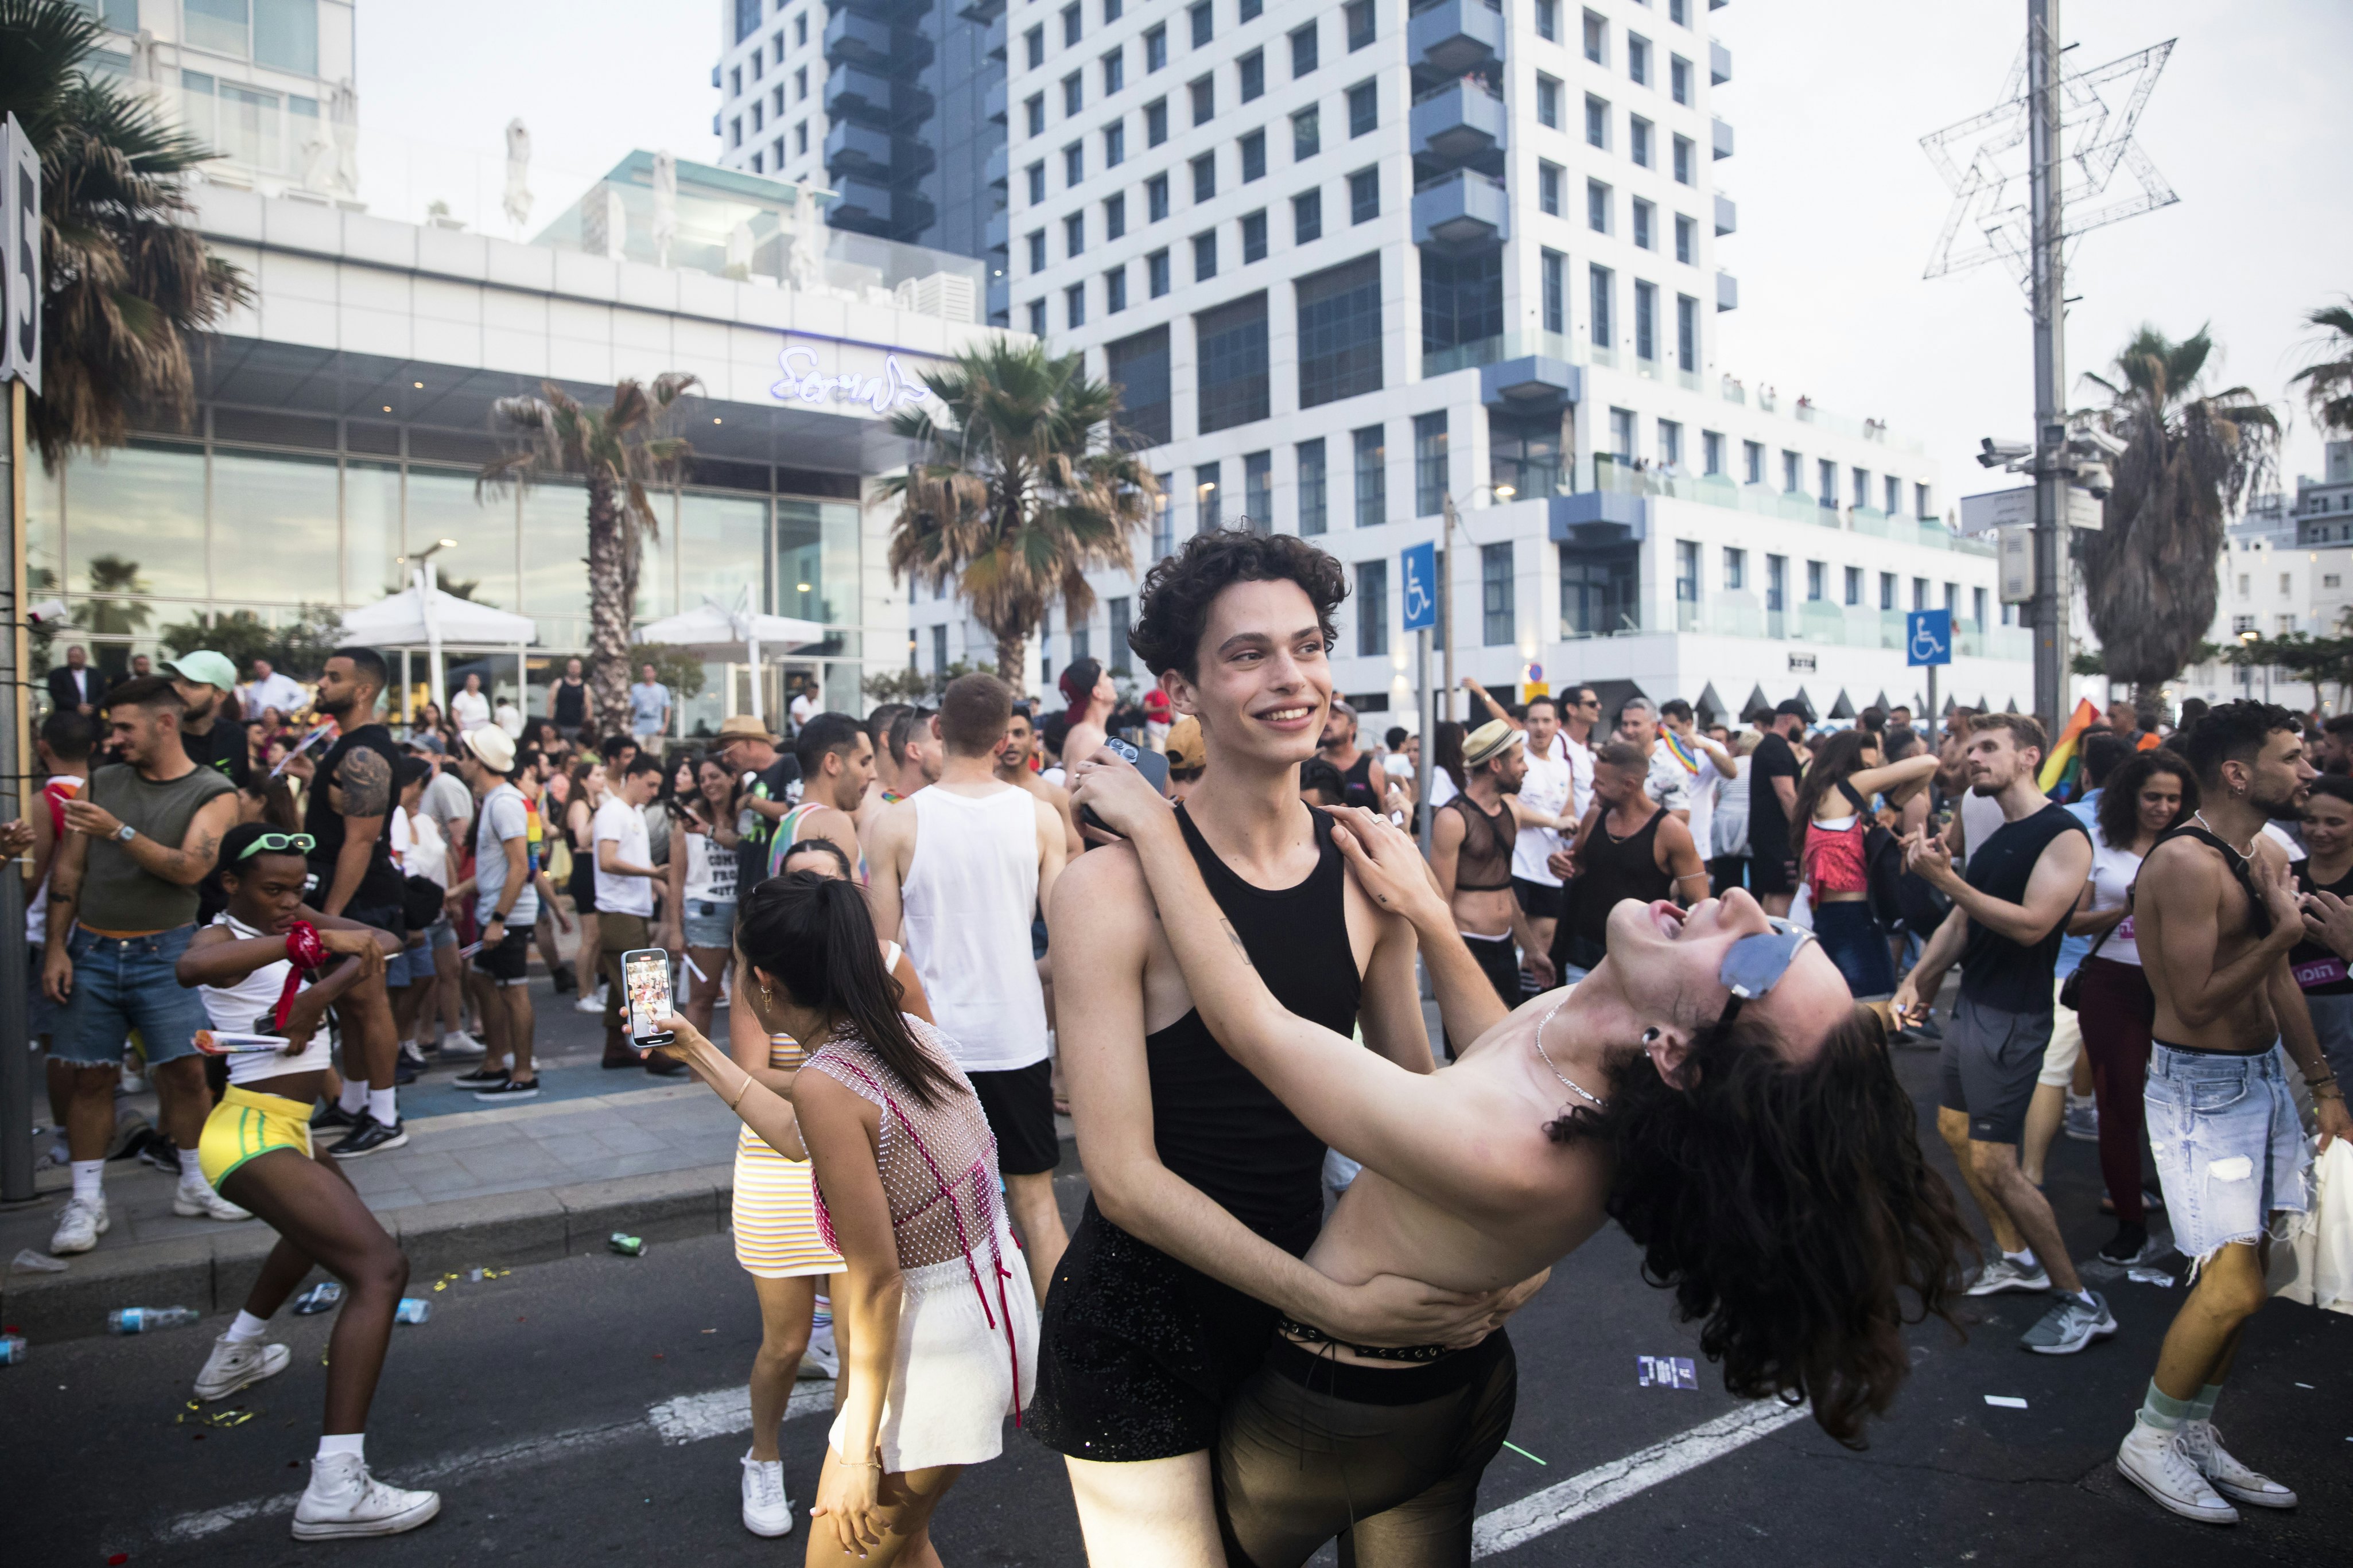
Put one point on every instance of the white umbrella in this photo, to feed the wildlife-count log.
(711, 630)
(422, 613)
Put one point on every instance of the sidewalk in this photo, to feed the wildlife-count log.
(475, 1185)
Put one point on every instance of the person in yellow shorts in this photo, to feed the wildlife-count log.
(270, 967)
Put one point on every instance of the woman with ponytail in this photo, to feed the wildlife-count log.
(941, 1325)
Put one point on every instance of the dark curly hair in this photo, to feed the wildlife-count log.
(1788, 1207)
(1178, 590)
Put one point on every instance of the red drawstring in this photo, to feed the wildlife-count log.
(305, 951)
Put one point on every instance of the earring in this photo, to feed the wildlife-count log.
(1649, 1037)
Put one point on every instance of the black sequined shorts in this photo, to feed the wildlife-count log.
(1138, 1354)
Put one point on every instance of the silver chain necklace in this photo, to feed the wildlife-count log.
(1577, 1088)
(2246, 853)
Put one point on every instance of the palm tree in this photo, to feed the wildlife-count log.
(2191, 456)
(619, 450)
(124, 278)
(2328, 380)
(1020, 489)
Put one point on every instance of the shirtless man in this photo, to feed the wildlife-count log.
(1471, 846)
(1709, 1044)
(1092, 697)
(1206, 1190)
(2216, 912)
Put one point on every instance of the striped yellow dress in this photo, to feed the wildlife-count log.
(776, 1198)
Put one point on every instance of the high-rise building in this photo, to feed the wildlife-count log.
(898, 105)
(1346, 261)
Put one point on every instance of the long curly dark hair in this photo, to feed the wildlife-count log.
(1788, 1207)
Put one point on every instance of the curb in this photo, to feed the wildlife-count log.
(213, 1273)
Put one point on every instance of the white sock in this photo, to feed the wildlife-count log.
(191, 1170)
(382, 1104)
(248, 1329)
(355, 1097)
(352, 1443)
(2023, 1257)
(89, 1180)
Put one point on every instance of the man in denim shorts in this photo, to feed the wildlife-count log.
(2217, 911)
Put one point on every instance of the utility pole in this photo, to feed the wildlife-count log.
(1445, 616)
(2048, 303)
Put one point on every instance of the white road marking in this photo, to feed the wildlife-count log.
(692, 1417)
(1538, 1514)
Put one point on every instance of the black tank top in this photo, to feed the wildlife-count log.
(571, 703)
(1213, 1122)
(1615, 868)
(2317, 969)
(1359, 780)
(1484, 865)
(381, 888)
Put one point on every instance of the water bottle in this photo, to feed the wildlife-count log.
(147, 1319)
(12, 1349)
(413, 1310)
(319, 1298)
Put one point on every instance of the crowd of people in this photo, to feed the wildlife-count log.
(1671, 962)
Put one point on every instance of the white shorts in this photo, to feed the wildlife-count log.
(2066, 1043)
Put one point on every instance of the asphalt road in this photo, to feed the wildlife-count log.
(580, 1412)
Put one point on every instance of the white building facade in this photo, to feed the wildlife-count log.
(2286, 569)
(1345, 261)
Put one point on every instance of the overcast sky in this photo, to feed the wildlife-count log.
(2250, 124)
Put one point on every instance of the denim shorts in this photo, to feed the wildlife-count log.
(2230, 1152)
(708, 923)
(121, 983)
(440, 934)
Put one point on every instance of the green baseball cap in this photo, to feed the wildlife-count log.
(205, 668)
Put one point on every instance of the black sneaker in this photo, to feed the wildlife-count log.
(562, 978)
(331, 1115)
(511, 1089)
(162, 1154)
(410, 1051)
(480, 1077)
(369, 1136)
(404, 1073)
(2128, 1246)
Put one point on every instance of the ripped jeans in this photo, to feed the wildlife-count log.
(2230, 1149)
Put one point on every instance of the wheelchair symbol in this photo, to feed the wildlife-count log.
(1925, 645)
(1418, 605)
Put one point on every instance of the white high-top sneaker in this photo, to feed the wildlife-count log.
(766, 1510)
(2152, 1459)
(343, 1500)
(195, 1200)
(231, 1367)
(2202, 1446)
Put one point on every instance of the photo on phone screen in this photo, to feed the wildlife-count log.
(645, 974)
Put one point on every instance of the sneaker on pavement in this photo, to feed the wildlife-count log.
(331, 1115)
(231, 1367)
(80, 1225)
(2069, 1325)
(766, 1510)
(457, 1046)
(590, 1001)
(404, 1072)
(510, 1088)
(2130, 1246)
(561, 978)
(371, 1137)
(2002, 1274)
(161, 1154)
(2202, 1447)
(343, 1500)
(480, 1077)
(411, 1052)
(131, 1081)
(2080, 1120)
(819, 1362)
(2152, 1459)
(193, 1200)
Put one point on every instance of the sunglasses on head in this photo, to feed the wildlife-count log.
(278, 844)
(1755, 964)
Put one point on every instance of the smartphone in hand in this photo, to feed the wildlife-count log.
(645, 981)
(1152, 766)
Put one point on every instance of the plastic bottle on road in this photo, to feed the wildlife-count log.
(147, 1319)
(413, 1310)
(12, 1349)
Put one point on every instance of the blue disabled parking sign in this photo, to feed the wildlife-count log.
(1929, 637)
(1418, 582)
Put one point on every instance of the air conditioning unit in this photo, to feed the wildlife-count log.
(951, 295)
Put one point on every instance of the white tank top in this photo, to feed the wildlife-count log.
(236, 1007)
(971, 890)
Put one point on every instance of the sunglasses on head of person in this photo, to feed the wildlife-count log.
(1755, 964)
(278, 843)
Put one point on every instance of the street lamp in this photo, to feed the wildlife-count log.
(426, 586)
(2248, 639)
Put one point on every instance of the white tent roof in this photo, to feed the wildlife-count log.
(399, 621)
(715, 631)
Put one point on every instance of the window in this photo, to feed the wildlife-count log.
(1858, 487)
(1548, 188)
(1339, 332)
(1826, 476)
(800, 86)
(1114, 71)
(1205, 255)
(1596, 123)
(1112, 9)
(1074, 95)
(1208, 510)
(1116, 216)
(939, 649)
(801, 138)
(1687, 566)
(198, 23)
(1555, 268)
(1036, 309)
(1307, 135)
(1156, 49)
(1302, 51)
(1919, 592)
(1229, 349)
(1156, 268)
(1312, 494)
(1735, 570)
(1638, 139)
(1638, 59)
(759, 117)
(1122, 657)
(1204, 93)
(1854, 585)
(1254, 236)
(1205, 177)
(1074, 233)
(1114, 290)
(1978, 604)
(1372, 607)
(1686, 333)
(1074, 305)
(1646, 309)
(1359, 15)
(2282, 587)
(1496, 595)
(1678, 13)
(1372, 477)
(1548, 20)
(1254, 156)
(1258, 490)
(1201, 20)
(1887, 590)
(1790, 461)
(1710, 448)
(1817, 581)
(1252, 69)
(1156, 122)
(734, 131)
(1671, 441)
(1164, 518)
(1920, 507)
(1156, 198)
(1752, 462)
(1363, 109)
(755, 163)
(1252, 9)
(1597, 39)
(1685, 237)
(1074, 164)
(1034, 114)
(1306, 216)
(801, 31)
(1035, 177)
(1776, 587)
(1547, 101)
(1429, 464)
(1138, 366)
(1069, 26)
(1646, 215)
(1597, 206)
(1033, 43)
(1037, 250)
(1115, 145)
(1604, 291)
(1683, 161)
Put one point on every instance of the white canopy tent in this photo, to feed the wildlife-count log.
(423, 612)
(715, 631)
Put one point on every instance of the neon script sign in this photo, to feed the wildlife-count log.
(803, 382)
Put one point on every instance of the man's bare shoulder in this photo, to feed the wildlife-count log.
(2181, 865)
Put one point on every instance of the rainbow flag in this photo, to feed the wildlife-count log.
(2063, 763)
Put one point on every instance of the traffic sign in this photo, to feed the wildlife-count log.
(1418, 573)
(1929, 637)
(20, 257)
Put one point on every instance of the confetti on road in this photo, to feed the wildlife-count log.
(1524, 1454)
(2006, 1401)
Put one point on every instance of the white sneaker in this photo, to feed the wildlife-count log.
(131, 1082)
(231, 1367)
(2152, 1459)
(80, 1225)
(2002, 1273)
(766, 1510)
(343, 1500)
(819, 1361)
(194, 1200)
(458, 1046)
(591, 1004)
(2202, 1446)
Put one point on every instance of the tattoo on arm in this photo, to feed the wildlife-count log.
(1236, 938)
(366, 779)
